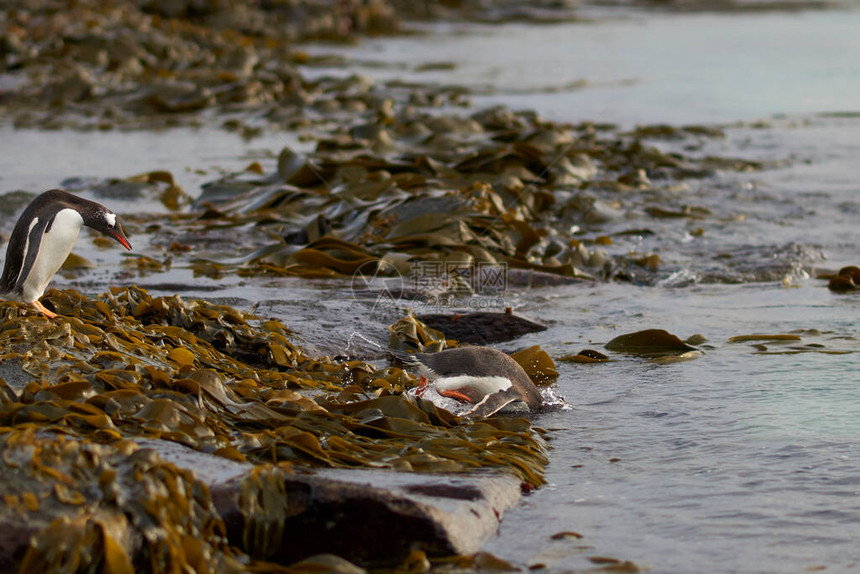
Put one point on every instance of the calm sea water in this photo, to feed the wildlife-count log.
(631, 67)
(738, 461)
(746, 459)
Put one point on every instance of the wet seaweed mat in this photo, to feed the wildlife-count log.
(126, 365)
(425, 197)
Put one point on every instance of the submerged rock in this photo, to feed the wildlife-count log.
(846, 279)
(481, 328)
(649, 342)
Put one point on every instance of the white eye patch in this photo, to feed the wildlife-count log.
(111, 219)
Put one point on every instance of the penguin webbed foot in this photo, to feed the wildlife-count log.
(43, 310)
(423, 385)
(456, 395)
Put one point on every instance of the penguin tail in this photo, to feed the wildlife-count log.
(405, 358)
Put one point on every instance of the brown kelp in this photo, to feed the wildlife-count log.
(494, 189)
(78, 392)
(204, 375)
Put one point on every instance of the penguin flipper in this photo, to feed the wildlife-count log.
(30, 250)
(405, 358)
(493, 403)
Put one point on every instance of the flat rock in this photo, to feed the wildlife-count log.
(370, 517)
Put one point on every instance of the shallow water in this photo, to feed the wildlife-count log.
(40, 159)
(629, 67)
(738, 461)
(735, 462)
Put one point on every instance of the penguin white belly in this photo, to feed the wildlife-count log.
(478, 386)
(54, 248)
(487, 395)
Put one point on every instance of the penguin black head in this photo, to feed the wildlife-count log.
(102, 219)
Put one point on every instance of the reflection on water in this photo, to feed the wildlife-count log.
(641, 68)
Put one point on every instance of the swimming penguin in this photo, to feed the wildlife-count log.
(487, 378)
(44, 237)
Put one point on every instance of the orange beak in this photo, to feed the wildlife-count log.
(118, 233)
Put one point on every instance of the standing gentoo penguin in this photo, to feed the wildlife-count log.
(44, 237)
(484, 377)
